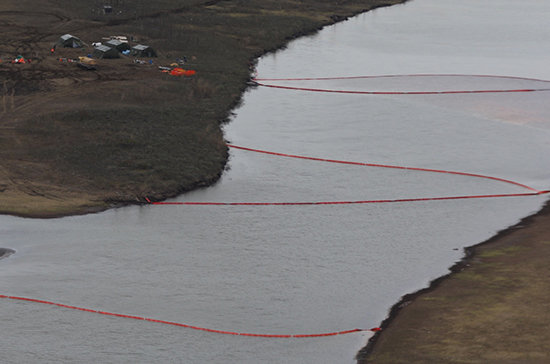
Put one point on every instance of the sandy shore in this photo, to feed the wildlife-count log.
(494, 306)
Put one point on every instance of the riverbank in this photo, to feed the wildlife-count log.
(492, 308)
(74, 141)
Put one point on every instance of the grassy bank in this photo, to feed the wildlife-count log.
(127, 131)
(493, 309)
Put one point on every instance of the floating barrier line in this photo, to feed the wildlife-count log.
(397, 76)
(402, 92)
(383, 166)
(533, 192)
(188, 326)
(260, 80)
(348, 202)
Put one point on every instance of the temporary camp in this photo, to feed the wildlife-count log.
(103, 51)
(69, 41)
(143, 51)
(118, 45)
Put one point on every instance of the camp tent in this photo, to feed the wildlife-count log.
(118, 45)
(103, 51)
(143, 51)
(69, 41)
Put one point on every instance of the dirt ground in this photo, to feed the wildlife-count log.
(46, 85)
(24, 184)
(493, 309)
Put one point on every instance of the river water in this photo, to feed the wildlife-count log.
(305, 269)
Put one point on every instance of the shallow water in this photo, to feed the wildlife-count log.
(302, 269)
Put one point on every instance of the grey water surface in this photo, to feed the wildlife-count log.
(304, 269)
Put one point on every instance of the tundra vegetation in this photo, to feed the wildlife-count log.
(75, 141)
